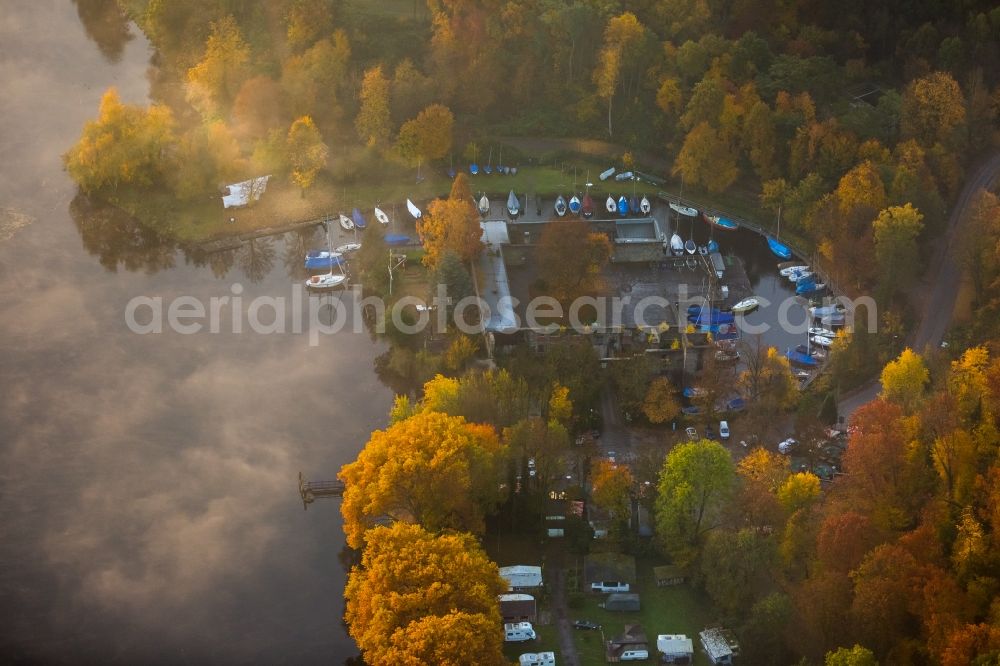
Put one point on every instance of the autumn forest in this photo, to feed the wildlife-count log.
(859, 121)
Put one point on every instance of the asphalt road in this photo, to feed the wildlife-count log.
(942, 282)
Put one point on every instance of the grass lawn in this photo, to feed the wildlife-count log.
(665, 610)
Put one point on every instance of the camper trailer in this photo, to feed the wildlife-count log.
(514, 632)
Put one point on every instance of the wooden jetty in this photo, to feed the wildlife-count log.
(313, 490)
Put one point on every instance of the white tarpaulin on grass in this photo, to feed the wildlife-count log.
(240, 194)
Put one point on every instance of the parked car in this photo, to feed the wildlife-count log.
(586, 624)
(692, 434)
(788, 445)
(724, 429)
(609, 586)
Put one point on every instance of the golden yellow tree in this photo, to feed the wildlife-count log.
(933, 107)
(428, 136)
(904, 379)
(125, 145)
(799, 491)
(660, 404)
(432, 469)
(306, 152)
(416, 596)
(212, 84)
(706, 158)
(374, 121)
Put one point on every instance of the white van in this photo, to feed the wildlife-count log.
(518, 631)
(724, 429)
(537, 659)
(635, 655)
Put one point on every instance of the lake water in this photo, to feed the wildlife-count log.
(149, 509)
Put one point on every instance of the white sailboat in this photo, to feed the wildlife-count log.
(327, 280)
(560, 206)
(346, 222)
(381, 216)
(414, 211)
(611, 204)
(645, 206)
(484, 205)
(347, 247)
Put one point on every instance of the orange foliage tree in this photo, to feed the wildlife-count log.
(432, 469)
(418, 598)
(571, 258)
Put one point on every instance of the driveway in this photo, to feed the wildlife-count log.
(941, 283)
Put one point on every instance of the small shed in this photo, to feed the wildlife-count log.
(517, 607)
(668, 575)
(622, 601)
(522, 577)
(675, 648)
(633, 638)
(719, 644)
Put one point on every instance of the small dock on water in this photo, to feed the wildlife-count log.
(313, 490)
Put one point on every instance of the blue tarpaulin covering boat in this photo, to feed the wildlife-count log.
(397, 239)
(321, 259)
(474, 169)
(622, 205)
(720, 222)
(713, 246)
(798, 358)
(779, 249)
(359, 219)
(706, 316)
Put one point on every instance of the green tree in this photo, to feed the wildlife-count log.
(212, 84)
(374, 120)
(126, 145)
(545, 441)
(306, 21)
(736, 567)
(855, 656)
(312, 79)
(451, 272)
(896, 231)
(631, 377)
(306, 152)
(415, 594)
(411, 91)
(373, 259)
(904, 379)
(695, 482)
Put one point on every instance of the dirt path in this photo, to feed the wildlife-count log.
(940, 283)
(567, 649)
